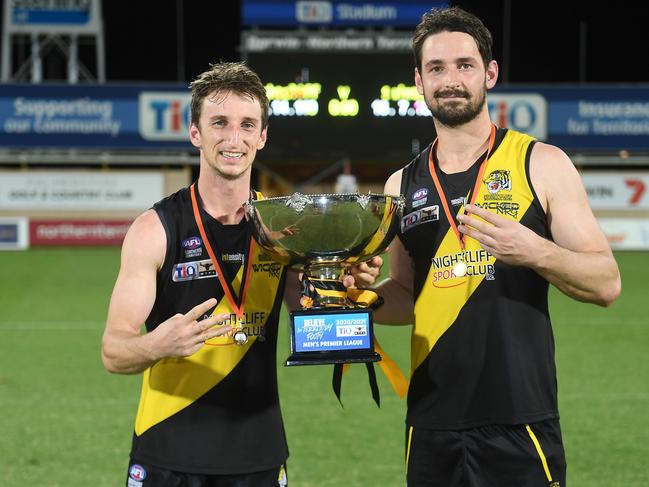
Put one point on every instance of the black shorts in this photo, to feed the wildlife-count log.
(527, 455)
(144, 475)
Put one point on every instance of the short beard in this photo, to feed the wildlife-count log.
(454, 116)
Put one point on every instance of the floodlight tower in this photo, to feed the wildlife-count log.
(52, 26)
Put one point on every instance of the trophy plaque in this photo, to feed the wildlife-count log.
(323, 235)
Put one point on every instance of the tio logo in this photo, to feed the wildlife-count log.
(525, 112)
(184, 271)
(164, 115)
(313, 12)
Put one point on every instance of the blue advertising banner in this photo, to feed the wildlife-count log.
(94, 116)
(351, 13)
(575, 118)
(74, 15)
(607, 118)
(52, 16)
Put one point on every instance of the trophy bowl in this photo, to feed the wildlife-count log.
(323, 235)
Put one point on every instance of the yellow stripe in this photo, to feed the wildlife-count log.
(392, 371)
(443, 296)
(540, 452)
(172, 384)
(408, 448)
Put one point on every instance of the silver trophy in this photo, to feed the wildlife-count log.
(323, 235)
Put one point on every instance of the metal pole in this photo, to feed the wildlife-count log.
(180, 41)
(37, 65)
(507, 20)
(73, 60)
(7, 38)
(100, 53)
(583, 51)
(6, 56)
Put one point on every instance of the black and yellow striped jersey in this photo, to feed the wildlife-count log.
(482, 343)
(217, 411)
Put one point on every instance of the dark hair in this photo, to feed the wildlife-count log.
(228, 77)
(452, 19)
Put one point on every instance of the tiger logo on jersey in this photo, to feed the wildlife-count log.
(498, 180)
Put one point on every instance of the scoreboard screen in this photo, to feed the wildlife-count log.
(326, 106)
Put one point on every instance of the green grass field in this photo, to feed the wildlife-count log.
(64, 421)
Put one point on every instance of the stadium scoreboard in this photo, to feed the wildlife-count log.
(341, 97)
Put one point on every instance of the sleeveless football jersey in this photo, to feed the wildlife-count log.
(217, 411)
(482, 344)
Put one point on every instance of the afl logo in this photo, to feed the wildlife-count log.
(419, 197)
(192, 243)
(419, 194)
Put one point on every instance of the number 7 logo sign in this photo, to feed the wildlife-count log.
(638, 189)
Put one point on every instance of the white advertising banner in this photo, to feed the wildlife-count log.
(80, 190)
(626, 233)
(617, 190)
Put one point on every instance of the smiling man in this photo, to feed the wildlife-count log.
(209, 411)
(492, 217)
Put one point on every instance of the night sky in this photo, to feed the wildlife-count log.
(146, 44)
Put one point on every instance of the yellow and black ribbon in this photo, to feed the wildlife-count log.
(312, 290)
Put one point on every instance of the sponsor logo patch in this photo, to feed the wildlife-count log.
(273, 268)
(419, 197)
(232, 258)
(252, 323)
(498, 197)
(188, 271)
(417, 217)
(478, 263)
(137, 472)
(192, 247)
(507, 208)
(458, 201)
(351, 330)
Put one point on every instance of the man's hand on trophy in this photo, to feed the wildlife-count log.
(364, 274)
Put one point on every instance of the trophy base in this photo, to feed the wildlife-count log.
(323, 359)
(332, 336)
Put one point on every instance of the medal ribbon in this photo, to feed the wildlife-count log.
(238, 309)
(476, 186)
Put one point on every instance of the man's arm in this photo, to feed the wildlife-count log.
(579, 260)
(396, 290)
(292, 290)
(124, 349)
